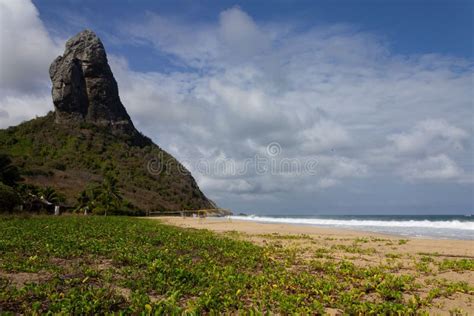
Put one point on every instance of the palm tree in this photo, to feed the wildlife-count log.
(83, 201)
(50, 195)
(87, 199)
(9, 173)
(109, 195)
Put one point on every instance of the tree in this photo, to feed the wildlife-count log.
(28, 194)
(109, 195)
(9, 173)
(9, 199)
(83, 201)
(50, 195)
(88, 199)
(101, 198)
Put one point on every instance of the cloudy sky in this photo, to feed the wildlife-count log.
(278, 106)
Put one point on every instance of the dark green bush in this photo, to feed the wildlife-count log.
(9, 199)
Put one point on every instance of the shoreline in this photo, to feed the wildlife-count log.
(369, 227)
(413, 245)
(353, 230)
(298, 228)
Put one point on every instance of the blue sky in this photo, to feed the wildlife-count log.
(377, 94)
(409, 27)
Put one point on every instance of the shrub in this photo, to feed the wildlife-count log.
(8, 198)
(9, 173)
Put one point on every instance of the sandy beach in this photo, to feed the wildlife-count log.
(445, 247)
(429, 260)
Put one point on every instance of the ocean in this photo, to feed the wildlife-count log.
(421, 226)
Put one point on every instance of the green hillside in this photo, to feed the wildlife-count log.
(69, 157)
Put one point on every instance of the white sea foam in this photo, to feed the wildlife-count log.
(422, 228)
(455, 224)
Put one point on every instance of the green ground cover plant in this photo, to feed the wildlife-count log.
(94, 264)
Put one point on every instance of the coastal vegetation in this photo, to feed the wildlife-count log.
(95, 264)
(97, 198)
(75, 158)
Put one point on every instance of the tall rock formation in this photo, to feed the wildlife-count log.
(84, 88)
(58, 150)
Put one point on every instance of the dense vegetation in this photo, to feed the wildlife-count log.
(98, 265)
(17, 197)
(9, 198)
(72, 158)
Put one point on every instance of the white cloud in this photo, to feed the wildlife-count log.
(17, 109)
(437, 168)
(425, 152)
(236, 38)
(196, 45)
(429, 136)
(240, 36)
(331, 92)
(324, 135)
(327, 183)
(26, 51)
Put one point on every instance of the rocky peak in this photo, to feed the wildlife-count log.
(84, 88)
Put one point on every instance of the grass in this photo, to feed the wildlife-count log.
(88, 265)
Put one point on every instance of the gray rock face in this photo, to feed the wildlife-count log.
(84, 88)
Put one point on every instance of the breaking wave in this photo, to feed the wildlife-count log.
(458, 229)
